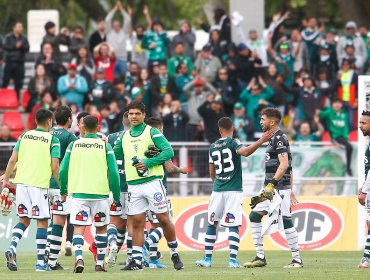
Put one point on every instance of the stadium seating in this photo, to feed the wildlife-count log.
(8, 99)
(14, 120)
(25, 99)
(16, 134)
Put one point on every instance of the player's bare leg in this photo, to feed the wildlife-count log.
(138, 224)
(364, 263)
(292, 239)
(17, 233)
(170, 234)
(55, 239)
(256, 227)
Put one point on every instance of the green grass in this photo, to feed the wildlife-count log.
(318, 265)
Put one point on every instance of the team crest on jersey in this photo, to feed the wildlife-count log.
(58, 206)
(100, 217)
(158, 196)
(280, 144)
(82, 216)
(22, 209)
(116, 206)
(230, 218)
(35, 211)
(136, 147)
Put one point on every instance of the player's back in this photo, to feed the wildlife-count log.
(278, 145)
(65, 137)
(223, 155)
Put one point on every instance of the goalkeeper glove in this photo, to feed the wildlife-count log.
(268, 190)
(152, 151)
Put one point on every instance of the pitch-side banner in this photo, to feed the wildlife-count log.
(308, 161)
(323, 223)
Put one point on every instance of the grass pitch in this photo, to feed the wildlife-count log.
(318, 265)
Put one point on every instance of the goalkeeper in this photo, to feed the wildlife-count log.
(278, 167)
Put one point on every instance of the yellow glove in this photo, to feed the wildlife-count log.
(268, 190)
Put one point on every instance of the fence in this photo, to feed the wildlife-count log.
(319, 169)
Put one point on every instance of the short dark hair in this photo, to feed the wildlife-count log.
(43, 115)
(336, 99)
(272, 113)
(91, 122)
(62, 114)
(225, 123)
(365, 113)
(154, 122)
(82, 115)
(136, 105)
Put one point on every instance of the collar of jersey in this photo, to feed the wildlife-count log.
(40, 129)
(90, 135)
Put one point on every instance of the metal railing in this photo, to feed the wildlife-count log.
(318, 169)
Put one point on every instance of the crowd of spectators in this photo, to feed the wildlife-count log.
(308, 72)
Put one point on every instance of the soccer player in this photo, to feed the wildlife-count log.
(364, 192)
(226, 202)
(278, 168)
(144, 178)
(60, 210)
(37, 153)
(90, 170)
(156, 232)
(118, 211)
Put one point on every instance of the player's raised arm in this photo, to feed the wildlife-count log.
(248, 150)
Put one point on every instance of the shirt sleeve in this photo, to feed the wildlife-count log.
(210, 160)
(113, 174)
(16, 147)
(118, 150)
(237, 145)
(63, 172)
(55, 148)
(166, 150)
(280, 144)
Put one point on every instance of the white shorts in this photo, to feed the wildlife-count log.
(85, 212)
(119, 209)
(32, 202)
(226, 208)
(152, 218)
(56, 206)
(367, 207)
(148, 196)
(284, 206)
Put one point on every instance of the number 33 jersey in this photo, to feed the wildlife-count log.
(223, 155)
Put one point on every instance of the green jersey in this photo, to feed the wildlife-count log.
(228, 166)
(112, 140)
(65, 137)
(367, 160)
(337, 122)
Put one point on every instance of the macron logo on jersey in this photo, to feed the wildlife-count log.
(89, 146)
(36, 138)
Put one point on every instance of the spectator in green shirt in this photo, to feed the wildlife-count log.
(253, 96)
(305, 133)
(156, 41)
(178, 58)
(337, 122)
